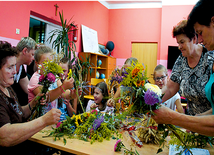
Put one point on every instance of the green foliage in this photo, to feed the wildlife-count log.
(62, 40)
(85, 66)
(192, 140)
(81, 127)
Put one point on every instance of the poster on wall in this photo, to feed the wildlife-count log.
(89, 40)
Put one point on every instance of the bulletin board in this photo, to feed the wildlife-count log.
(89, 40)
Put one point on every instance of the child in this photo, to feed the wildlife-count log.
(65, 104)
(56, 89)
(160, 78)
(100, 99)
(127, 63)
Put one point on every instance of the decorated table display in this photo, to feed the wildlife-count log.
(138, 100)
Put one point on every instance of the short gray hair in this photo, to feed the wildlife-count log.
(26, 42)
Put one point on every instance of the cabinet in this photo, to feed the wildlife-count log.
(107, 66)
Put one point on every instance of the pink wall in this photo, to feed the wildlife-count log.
(171, 15)
(16, 14)
(122, 26)
(133, 25)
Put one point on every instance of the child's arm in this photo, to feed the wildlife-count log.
(72, 109)
(179, 106)
(111, 101)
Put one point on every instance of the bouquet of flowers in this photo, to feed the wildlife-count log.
(140, 98)
(50, 72)
(92, 127)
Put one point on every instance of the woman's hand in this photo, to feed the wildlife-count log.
(164, 115)
(52, 117)
(36, 99)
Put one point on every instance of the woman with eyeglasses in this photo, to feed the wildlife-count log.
(160, 76)
(191, 70)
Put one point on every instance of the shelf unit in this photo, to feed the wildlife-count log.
(107, 66)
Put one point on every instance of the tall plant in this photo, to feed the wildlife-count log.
(63, 44)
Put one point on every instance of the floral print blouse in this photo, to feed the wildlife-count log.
(193, 81)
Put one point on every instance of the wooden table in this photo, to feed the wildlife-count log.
(106, 147)
(76, 146)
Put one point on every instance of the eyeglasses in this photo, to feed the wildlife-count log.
(159, 78)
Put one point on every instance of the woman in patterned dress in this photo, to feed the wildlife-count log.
(202, 18)
(191, 70)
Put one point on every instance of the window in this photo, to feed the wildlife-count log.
(37, 30)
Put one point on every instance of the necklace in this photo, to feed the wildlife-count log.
(15, 106)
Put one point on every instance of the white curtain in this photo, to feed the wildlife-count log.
(50, 27)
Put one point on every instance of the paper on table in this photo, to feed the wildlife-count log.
(195, 151)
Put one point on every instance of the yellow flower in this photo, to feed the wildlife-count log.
(51, 66)
(153, 88)
(70, 74)
(73, 116)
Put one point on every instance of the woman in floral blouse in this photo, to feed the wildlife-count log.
(191, 70)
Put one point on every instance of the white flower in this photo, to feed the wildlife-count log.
(153, 88)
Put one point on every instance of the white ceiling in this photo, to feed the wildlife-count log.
(111, 4)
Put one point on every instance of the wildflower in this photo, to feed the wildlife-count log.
(118, 145)
(73, 116)
(78, 120)
(137, 83)
(135, 72)
(151, 98)
(41, 78)
(124, 73)
(70, 74)
(153, 88)
(51, 77)
(94, 111)
(97, 122)
(58, 124)
(142, 83)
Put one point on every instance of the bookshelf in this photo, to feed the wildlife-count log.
(107, 66)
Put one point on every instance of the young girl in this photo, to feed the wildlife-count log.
(160, 78)
(100, 99)
(56, 89)
(67, 107)
(111, 102)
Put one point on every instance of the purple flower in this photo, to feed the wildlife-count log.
(97, 122)
(151, 98)
(41, 78)
(124, 73)
(51, 77)
(118, 145)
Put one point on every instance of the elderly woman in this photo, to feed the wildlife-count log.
(13, 130)
(202, 18)
(191, 70)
